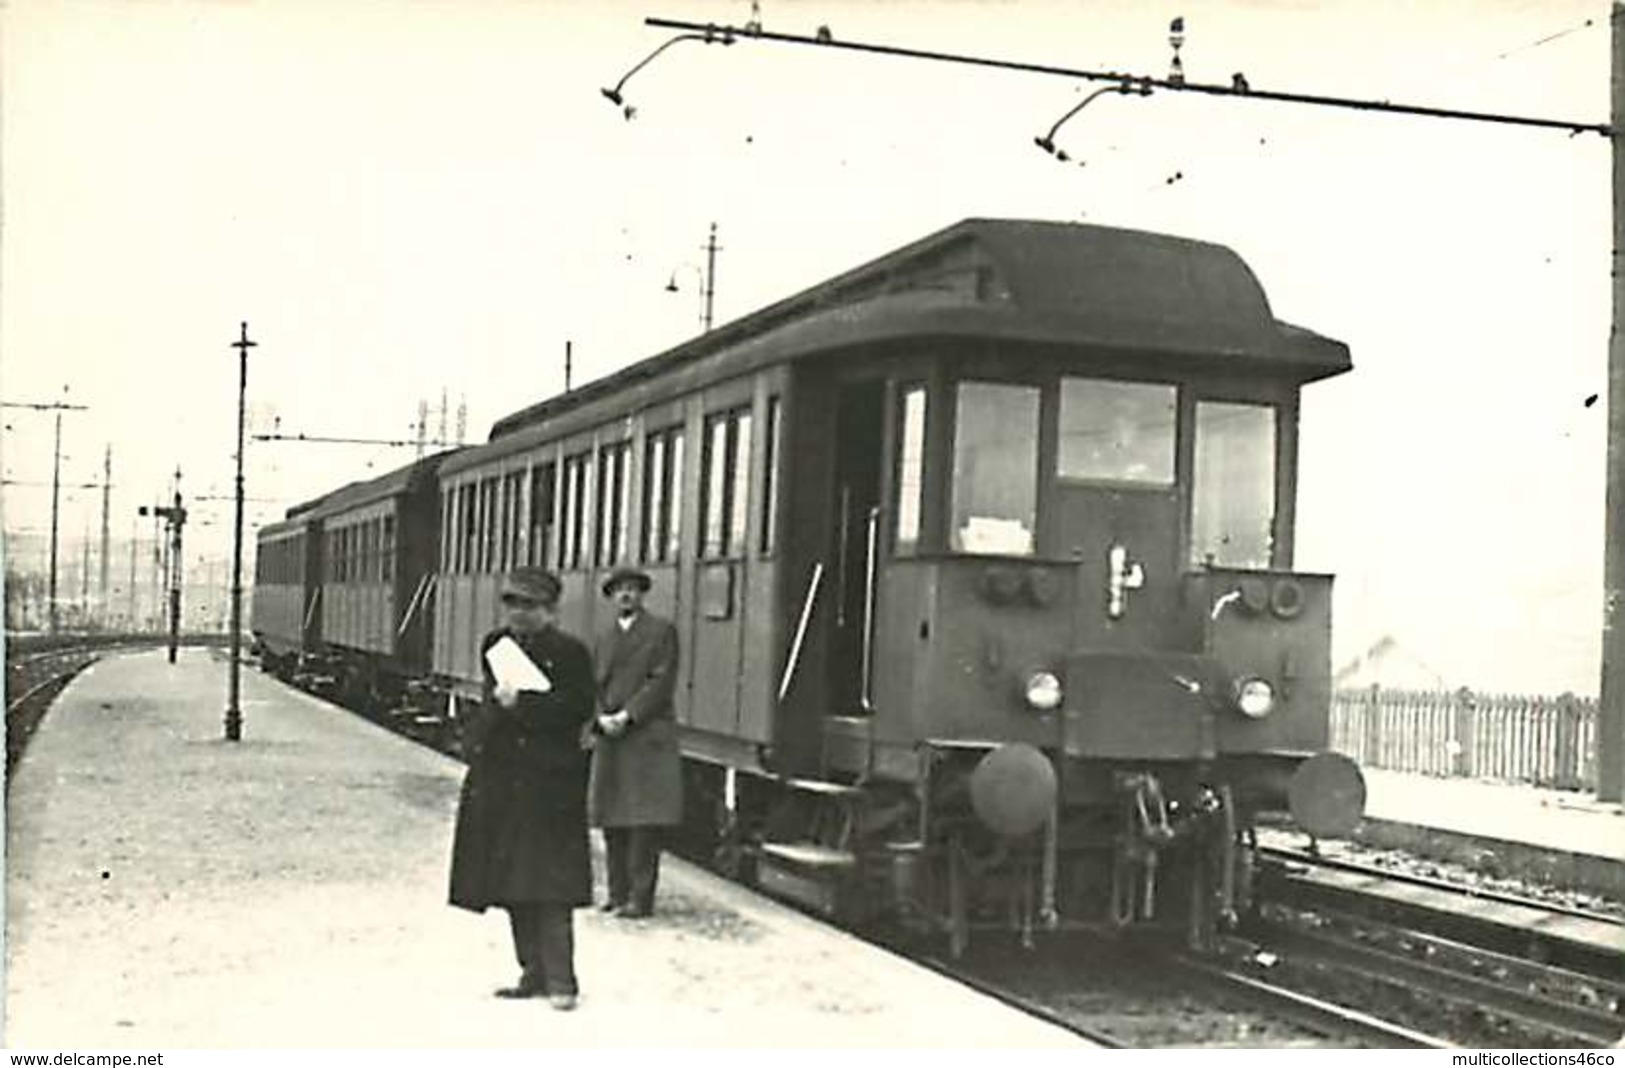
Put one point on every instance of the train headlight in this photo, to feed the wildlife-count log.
(1043, 692)
(1254, 697)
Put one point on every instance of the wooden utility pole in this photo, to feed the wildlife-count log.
(56, 484)
(1611, 704)
(106, 576)
(710, 276)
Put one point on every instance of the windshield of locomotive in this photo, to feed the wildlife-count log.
(1117, 431)
(995, 487)
(1233, 504)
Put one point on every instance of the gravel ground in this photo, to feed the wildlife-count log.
(168, 889)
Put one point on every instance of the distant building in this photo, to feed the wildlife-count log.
(1388, 664)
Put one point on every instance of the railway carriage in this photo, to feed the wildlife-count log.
(982, 559)
(379, 549)
(285, 613)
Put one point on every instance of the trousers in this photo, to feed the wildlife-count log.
(632, 855)
(544, 942)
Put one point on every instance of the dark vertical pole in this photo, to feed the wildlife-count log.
(710, 275)
(567, 368)
(1611, 706)
(234, 714)
(135, 541)
(56, 491)
(106, 576)
(177, 518)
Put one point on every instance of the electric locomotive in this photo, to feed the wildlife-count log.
(982, 558)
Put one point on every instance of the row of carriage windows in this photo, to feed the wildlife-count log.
(578, 512)
(361, 552)
(280, 563)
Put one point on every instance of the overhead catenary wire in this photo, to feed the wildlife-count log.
(713, 33)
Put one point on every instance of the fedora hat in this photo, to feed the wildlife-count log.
(629, 575)
(534, 584)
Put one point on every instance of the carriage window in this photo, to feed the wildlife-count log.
(513, 525)
(610, 546)
(770, 486)
(727, 478)
(573, 527)
(1118, 431)
(995, 488)
(466, 542)
(911, 469)
(1233, 503)
(541, 513)
(662, 486)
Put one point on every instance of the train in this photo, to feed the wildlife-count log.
(981, 556)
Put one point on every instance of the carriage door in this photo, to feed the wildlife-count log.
(859, 415)
(1118, 509)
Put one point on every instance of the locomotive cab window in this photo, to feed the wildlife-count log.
(910, 481)
(1233, 500)
(1117, 431)
(995, 472)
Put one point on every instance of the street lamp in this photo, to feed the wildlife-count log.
(711, 35)
(708, 288)
(234, 715)
(1047, 142)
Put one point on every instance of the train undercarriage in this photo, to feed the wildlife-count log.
(991, 839)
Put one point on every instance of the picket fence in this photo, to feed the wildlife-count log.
(1546, 741)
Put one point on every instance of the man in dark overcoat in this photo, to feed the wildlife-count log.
(521, 836)
(636, 789)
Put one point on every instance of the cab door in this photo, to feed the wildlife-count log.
(1117, 509)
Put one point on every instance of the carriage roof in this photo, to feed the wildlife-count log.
(403, 480)
(1150, 296)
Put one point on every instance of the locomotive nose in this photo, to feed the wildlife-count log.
(1326, 795)
(1013, 789)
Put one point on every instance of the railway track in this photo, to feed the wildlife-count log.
(1485, 967)
(1121, 994)
(33, 679)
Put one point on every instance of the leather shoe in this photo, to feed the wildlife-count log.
(562, 1002)
(612, 906)
(519, 991)
(527, 987)
(634, 912)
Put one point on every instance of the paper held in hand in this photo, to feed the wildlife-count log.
(513, 669)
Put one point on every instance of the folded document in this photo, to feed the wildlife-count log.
(513, 669)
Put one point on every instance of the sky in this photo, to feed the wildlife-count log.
(406, 198)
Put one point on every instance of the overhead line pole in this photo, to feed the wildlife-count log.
(58, 408)
(1611, 700)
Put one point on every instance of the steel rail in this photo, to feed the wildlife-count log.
(1593, 944)
(1311, 1012)
(1539, 1013)
(1445, 885)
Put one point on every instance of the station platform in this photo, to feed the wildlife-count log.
(1559, 837)
(168, 889)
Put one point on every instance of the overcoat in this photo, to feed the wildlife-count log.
(637, 776)
(521, 835)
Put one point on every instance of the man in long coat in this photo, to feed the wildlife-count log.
(636, 789)
(521, 836)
